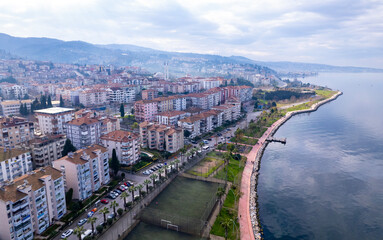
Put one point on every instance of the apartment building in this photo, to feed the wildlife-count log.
(127, 146)
(14, 163)
(243, 93)
(15, 131)
(202, 123)
(52, 120)
(109, 124)
(12, 107)
(149, 94)
(31, 203)
(12, 91)
(145, 110)
(93, 97)
(85, 170)
(171, 118)
(121, 94)
(161, 137)
(231, 112)
(46, 149)
(83, 131)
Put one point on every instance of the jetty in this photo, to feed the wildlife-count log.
(272, 139)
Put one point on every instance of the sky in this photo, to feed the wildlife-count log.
(336, 32)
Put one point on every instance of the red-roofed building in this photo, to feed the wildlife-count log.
(83, 131)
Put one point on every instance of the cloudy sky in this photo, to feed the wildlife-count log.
(338, 32)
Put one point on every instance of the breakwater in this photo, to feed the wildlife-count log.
(256, 154)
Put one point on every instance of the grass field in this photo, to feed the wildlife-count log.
(208, 165)
(325, 93)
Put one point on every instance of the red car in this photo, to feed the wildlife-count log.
(104, 201)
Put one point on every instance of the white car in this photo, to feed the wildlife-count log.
(67, 233)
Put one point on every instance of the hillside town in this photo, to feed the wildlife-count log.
(61, 124)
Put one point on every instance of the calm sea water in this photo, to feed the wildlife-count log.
(327, 181)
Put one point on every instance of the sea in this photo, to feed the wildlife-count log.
(327, 181)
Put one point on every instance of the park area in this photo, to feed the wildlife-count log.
(208, 165)
(184, 206)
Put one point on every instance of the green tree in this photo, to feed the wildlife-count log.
(25, 108)
(160, 172)
(220, 193)
(135, 125)
(114, 163)
(140, 187)
(26, 96)
(43, 101)
(120, 211)
(147, 182)
(78, 231)
(132, 189)
(21, 110)
(61, 101)
(153, 177)
(99, 228)
(49, 102)
(225, 223)
(114, 204)
(68, 147)
(104, 211)
(122, 110)
(92, 221)
(124, 195)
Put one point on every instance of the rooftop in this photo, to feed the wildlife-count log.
(54, 110)
(10, 153)
(120, 136)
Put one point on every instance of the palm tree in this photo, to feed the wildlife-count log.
(171, 165)
(183, 151)
(140, 187)
(104, 211)
(132, 189)
(154, 177)
(124, 195)
(177, 161)
(226, 157)
(220, 193)
(160, 172)
(225, 223)
(92, 221)
(188, 154)
(78, 231)
(147, 182)
(114, 204)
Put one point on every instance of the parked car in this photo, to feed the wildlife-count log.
(127, 184)
(87, 232)
(90, 214)
(81, 222)
(146, 172)
(94, 210)
(121, 189)
(67, 233)
(118, 192)
(104, 201)
(193, 142)
(111, 216)
(205, 141)
(219, 134)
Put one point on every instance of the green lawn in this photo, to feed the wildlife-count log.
(234, 172)
(245, 140)
(217, 228)
(325, 93)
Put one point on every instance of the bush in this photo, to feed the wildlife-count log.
(99, 228)
(88, 238)
(109, 221)
(128, 204)
(120, 211)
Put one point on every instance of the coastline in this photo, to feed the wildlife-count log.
(248, 213)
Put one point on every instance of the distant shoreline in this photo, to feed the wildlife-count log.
(253, 197)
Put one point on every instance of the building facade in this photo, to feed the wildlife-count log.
(127, 146)
(12, 107)
(14, 163)
(145, 110)
(85, 170)
(52, 120)
(15, 131)
(31, 203)
(83, 131)
(46, 149)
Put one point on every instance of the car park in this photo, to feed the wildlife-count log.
(81, 222)
(121, 189)
(67, 233)
(127, 184)
(104, 201)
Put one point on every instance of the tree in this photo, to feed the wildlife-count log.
(187, 133)
(230, 148)
(177, 161)
(114, 204)
(183, 151)
(154, 177)
(227, 158)
(122, 110)
(49, 101)
(220, 193)
(147, 182)
(114, 163)
(225, 223)
(21, 110)
(43, 101)
(68, 147)
(120, 211)
(160, 172)
(25, 108)
(99, 228)
(104, 211)
(132, 189)
(68, 196)
(61, 101)
(140, 187)
(78, 231)
(92, 221)
(124, 195)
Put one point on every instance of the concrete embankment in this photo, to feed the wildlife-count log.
(254, 157)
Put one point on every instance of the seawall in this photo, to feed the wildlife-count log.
(253, 212)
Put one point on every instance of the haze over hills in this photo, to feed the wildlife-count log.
(47, 49)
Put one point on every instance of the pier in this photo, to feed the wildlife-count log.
(272, 139)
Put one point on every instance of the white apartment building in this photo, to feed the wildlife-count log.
(127, 146)
(30, 203)
(47, 148)
(231, 112)
(93, 97)
(171, 118)
(12, 107)
(121, 94)
(202, 123)
(52, 120)
(14, 163)
(85, 170)
(83, 131)
(12, 91)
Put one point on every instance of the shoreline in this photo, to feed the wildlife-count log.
(248, 204)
